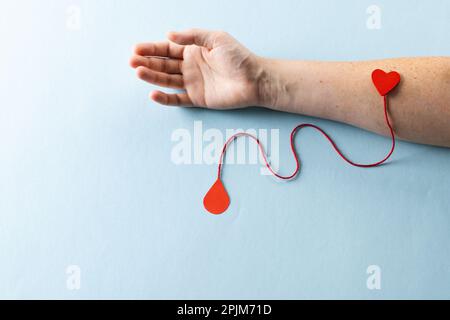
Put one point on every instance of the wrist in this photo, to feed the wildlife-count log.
(270, 84)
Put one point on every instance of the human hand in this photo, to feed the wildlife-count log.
(213, 68)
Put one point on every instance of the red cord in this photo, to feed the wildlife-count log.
(294, 131)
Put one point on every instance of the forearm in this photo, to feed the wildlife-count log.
(343, 91)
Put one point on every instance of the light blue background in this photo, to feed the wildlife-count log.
(86, 177)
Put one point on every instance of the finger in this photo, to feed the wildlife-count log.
(174, 81)
(171, 66)
(176, 99)
(199, 37)
(160, 49)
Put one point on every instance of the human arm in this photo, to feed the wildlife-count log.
(218, 72)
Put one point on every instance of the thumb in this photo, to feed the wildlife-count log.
(199, 37)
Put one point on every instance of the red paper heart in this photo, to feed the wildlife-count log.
(216, 201)
(385, 82)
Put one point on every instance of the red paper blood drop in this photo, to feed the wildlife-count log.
(385, 82)
(216, 201)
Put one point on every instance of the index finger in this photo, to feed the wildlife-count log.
(160, 49)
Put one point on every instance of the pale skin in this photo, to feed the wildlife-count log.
(215, 71)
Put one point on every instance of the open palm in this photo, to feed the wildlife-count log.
(212, 68)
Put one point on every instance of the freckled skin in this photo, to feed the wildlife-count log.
(217, 72)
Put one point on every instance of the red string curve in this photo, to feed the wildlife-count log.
(293, 133)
